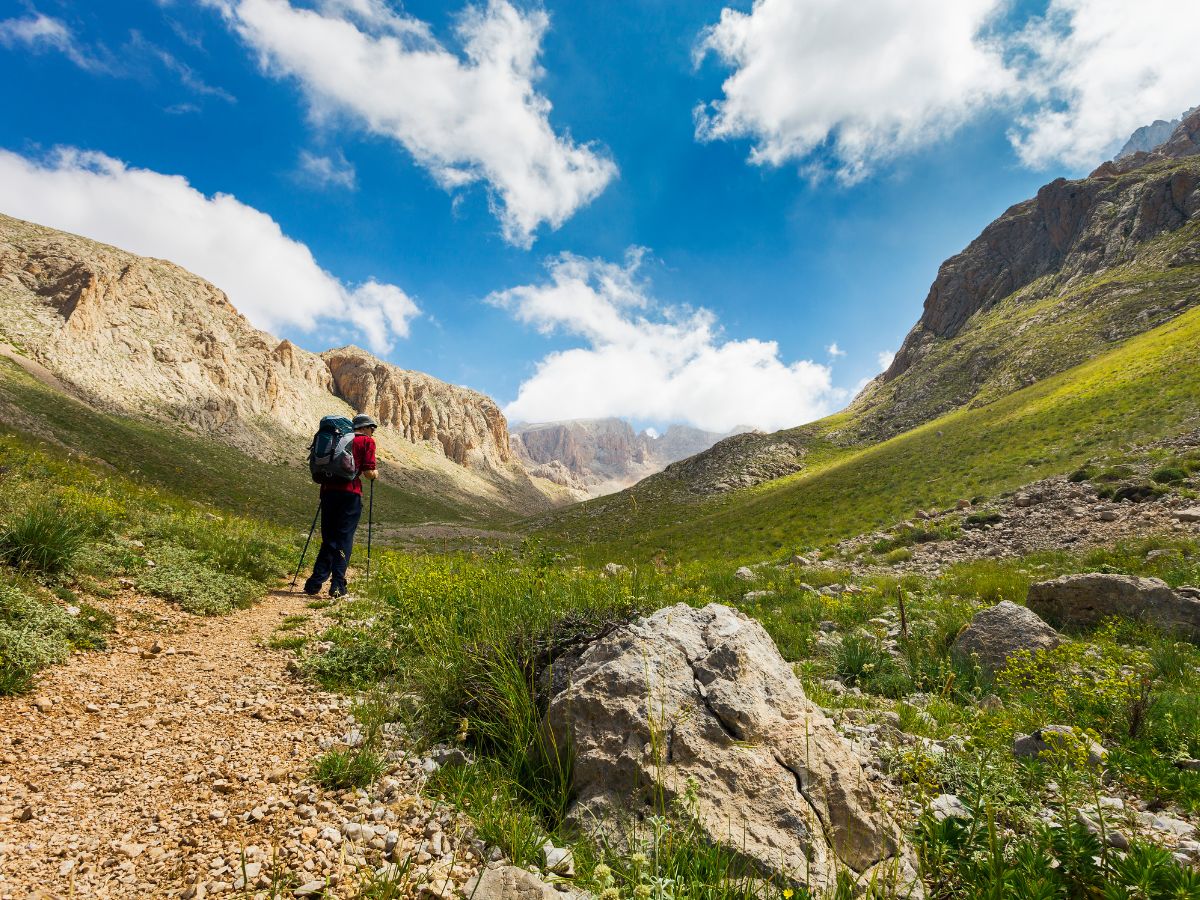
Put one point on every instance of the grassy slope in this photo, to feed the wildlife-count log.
(1144, 389)
(188, 464)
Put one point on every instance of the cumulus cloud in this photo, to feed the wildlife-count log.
(39, 32)
(469, 118)
(1100, 69)
(884, 359)
(870, 79)
(850, 86)
(834, 350)
(268, 276)
(646, 361)
(327, 171)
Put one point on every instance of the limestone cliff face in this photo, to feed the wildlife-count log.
(467, 425)
(144, 336)
(1055, 280)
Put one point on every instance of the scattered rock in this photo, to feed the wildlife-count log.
(1001, 630)
(509, 883)
(558, 860)
(1191, 514)
(1082, 601)
(612, 569)
(948, 806)
(772, 779)
(745, 573)
(1041, 740)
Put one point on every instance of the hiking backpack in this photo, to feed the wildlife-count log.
(331, 454)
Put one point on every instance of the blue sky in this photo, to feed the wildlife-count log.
(807, 203)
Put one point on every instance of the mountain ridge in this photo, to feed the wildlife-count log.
(145, 337)
(594, 457)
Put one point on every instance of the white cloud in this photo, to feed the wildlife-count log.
(874, 78)
(268, 276)
(884, 359)
(652, 363)
(40, 32)
(327, 171)
(861, 83)
(1103, 68)
(471, 118)
(834, 350)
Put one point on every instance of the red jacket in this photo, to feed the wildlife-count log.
(363, 449)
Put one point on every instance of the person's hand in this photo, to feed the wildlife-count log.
(370, 474)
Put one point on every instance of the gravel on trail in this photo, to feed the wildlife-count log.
(176, 764)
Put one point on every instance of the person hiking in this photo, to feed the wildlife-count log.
(341, 508)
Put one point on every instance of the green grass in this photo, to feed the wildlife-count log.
(71, 528)
(1147, 388)
(36, 632)
(466, 643)
(190, 465)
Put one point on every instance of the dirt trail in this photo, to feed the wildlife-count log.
(148, 769)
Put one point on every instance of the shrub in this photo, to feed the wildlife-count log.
(1136, 492)
(42, 537)
(179, 576)
(1169, 475)
(1113, 473)
(1082, 474)
(35, 633)
(899, 555)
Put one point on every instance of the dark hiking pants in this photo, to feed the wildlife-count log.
(340, 512)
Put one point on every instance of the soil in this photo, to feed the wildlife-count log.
(168, 764)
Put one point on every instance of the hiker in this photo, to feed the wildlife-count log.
(341, 508)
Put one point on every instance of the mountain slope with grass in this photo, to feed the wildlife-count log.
(1068, 329)
(143, 338)
(1145, 389)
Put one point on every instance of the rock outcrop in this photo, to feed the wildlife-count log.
(999, 631)
(698, 703)
(606, 455)
(1083, 601)
(1055, 280)
(467, 425)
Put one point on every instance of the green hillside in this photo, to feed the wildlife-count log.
(1145, 389)
(189, 465)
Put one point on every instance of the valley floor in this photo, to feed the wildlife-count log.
(179, 762)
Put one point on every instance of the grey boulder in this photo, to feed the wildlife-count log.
(1083, 601)
(698, 706)
(999, 631)
(1056, 737)
(510, 883)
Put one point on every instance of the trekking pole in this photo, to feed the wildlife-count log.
(370, 512)
(300, 564)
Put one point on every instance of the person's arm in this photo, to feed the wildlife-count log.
(368, 467)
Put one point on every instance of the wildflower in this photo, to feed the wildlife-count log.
(603, 873)
(610, 893)
(787, 893)
(639, 859)
(642, 892)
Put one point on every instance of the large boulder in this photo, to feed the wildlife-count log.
(699, 702)
(999, 631)
(1082, 601)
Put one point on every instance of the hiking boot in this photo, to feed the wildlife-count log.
(311, 590)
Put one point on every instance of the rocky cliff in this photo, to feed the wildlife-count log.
(145, 337)
(1055, 280)
(599, 456)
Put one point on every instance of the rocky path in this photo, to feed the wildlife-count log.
(175, 765)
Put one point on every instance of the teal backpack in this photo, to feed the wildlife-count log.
(331, 454)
